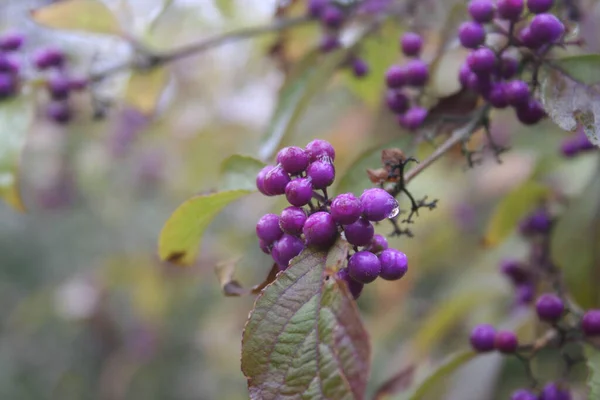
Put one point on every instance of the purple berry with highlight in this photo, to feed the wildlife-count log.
(292, 220)
(267, 228)
(319, 149)
(482, 61)
(397, 101)
(394, 264)
(546, 28)
(523, 394)
(293, 160)
(59, 112)
(497, 96)
(359, 233)
(481, 11)
(417, 73)
(378, 244)
(354, 286)
(517, 93)
(506, 342)
(413, 118)
(59, 87)
(276, 181)
(549, 307)
(346, 209)
(553, 392)
(320, 230)
(510, 9)
(49, 58)
(411, 44)
(539, 6)
(590, 323)
(377, 204)
(482, 338)
(538, 222)
(299, 192)
(260, 179)
(396, 76)
(528, 40)
(364, 267)
(321, 174)
(286, 248)
(471, 34)
(11, 41)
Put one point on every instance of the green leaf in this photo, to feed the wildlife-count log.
(571, 94)
(145, 88)
(304, 338)
(239, 172)
(593, 362)
(16, 116)
(575, 245)
(181, 235)
(79, 15)
(511, 209)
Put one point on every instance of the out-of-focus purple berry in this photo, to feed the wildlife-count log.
(267, 228)
(510, 9)
(276, 180)
(549, 307)
(260, 179)
(78, 84)
(59, 87)
(364, 267)
(397, 101)
(515, 271)
(538, 222)
(506, 342)
(482, 61)
(11, 41)
(320, 230)
(59, 112)
(299, 192)
(332, 17)
(417, 73)
(320, 149)
(497, 96)
(546, 28)
(293, 160)
(482, 338)
(394, 264)
(411, 44)
(553, 392)
(531, 113)
(49, 58)
(539, 6)
(9, 64)
(481, 84)
(8, 85)
(525, 292)
(316, 7)
(360, 68)
(329, 43)
(590, 323)
(378, 244)
(396, 76)
(481, 11)
(517, 93)
(346, 209)
(266, 248)
(321, 174)
(523, 394)
(359, 233)
(414, 118)
(354, 286)
(292, 220)
(508, 66)
(286, 248)
(377, 204)
(471, 34)
(528, 40)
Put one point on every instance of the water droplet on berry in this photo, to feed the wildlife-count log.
(394, 212)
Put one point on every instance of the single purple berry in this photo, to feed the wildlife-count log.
(539, 6)
(553, 392)
(549, 307)
(8, 85)
(78, 84)
(464, 74)
(394, 264)
(293, 160)
(523, 394)
(329, 43)
(266, 248)
(360, 68)
(397, 101)
(482, 338)
(276, 180)
(471, 34)
(378, 204)
(481, 11)
(517, 93)
(292, 220)
(49, 58)
(411, 44)
(354, 286)
(396, 76)
(417, 73)
(481, 84)
(506, 342)
(482, 61)
(320, 230)
(9, 64)
(320, 149)
(508, 66)
(59, 87)
(59, 112)
(525, 293)
(332, 17)
(590, 323)
(316, 7)
(510, 9)
(346, 209)
(364, 267)
(538, 222)
(11, 41)
(531, 113)
(497, 96)
(528, 39)
(546, 28)
(359, 233)
(570, 147)
(378, 244)
(267, 228)
(515, 271)
(286, 248)
(321, 174)
(299, 192)
(414, 118)
(260, 180)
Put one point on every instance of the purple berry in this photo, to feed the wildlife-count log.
(293, 160)
(321, 174)
(377, 204)
(482, 61)
(260, 180)
(394, 264)
(397, 101)
(276, 180)
(464, 74)
(332, 17)
(517, 93)
(414, 118)
(267, 228)
(354, 286)
(346, 209)
(9, 64)
(299, 192)
(539, 6)
(320, 149)
(359, 233)
(417, 73)
(549, 307)
(49, 58)
(531, 113)
(538, 222)
(78, 84)
(266, 248)
(508, 66)
(546, 28)
(497, 96)
(481, 84)
(525, 293)
(590, 323)
(11, 41)
(378, 244)
(8, 85)
(481, 11)
(320, 230)
(364, 267)
(411, 44)
(482, 338)
(569, 147)
(515, 271)
(396, 76)
(329, 43)
(471, 34)
(316, 7)
(510, 9)
(292, 220)
(506, 342)
(528, 40)
(552, 392)
(59, 112)
(286, 248)
(58, 87)
(523, 394)
(360, 68)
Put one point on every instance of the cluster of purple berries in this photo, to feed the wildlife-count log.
(314, 220)
(405, 82)
(50, 60)
(576, 144)
(493, 74)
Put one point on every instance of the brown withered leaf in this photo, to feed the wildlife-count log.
(377, 176)
(391, 157)
(233, 288)
(460, 104)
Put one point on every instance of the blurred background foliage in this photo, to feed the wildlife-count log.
(90, 312)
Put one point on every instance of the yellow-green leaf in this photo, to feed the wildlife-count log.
(16, 116)
(239, 172)
(180, 237)
(145, 88)
(509, 211)
(79, 15)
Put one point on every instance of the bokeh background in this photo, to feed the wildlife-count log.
(89, 312)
